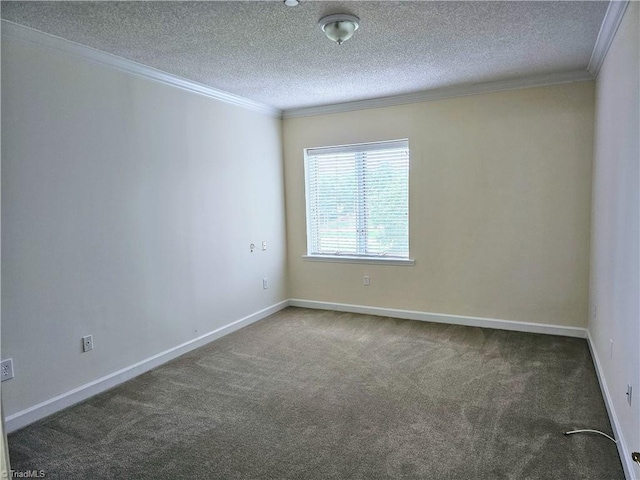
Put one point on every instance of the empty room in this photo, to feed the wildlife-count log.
(320, 240)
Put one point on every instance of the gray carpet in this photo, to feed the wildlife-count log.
(311, 394)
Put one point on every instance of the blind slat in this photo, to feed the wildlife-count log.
(358, 199)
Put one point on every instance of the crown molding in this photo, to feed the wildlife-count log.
(33, 36)
(441, 93)
(610, 24)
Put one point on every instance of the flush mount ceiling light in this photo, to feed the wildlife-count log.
(291, 3)
(339, 27)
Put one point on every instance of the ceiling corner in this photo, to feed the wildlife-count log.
(610, 23)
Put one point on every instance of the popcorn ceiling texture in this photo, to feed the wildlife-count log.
(278, 56)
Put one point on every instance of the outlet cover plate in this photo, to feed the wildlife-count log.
(6, 369)
(87, 343)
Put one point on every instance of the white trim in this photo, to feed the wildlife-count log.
(48, 407)
(31, 35)
(608, 29)
(441, 93)
(483, 322)
(404, 262)
(623, 449)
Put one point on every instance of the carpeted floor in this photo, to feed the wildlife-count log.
(311, 394)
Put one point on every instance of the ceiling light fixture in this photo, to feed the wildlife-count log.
(291, 3)
(339, 27)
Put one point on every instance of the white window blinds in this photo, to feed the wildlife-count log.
(358, 200)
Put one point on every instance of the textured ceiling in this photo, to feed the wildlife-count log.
(278, 56)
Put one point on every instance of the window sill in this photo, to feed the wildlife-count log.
(405, 262)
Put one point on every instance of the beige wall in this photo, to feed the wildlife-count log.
(499, 206)
(615, 254)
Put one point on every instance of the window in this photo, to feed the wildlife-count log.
(358, 201)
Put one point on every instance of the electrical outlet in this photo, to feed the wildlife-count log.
(252, 247)
(264, 246)
(629, 393)
(265, 283)
(367, 280)
(87, 343)
(6, 369)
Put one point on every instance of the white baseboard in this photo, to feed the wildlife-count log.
(48, 407)
(623, 449)
(445, 318)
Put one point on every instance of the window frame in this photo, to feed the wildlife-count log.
(356, 148)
